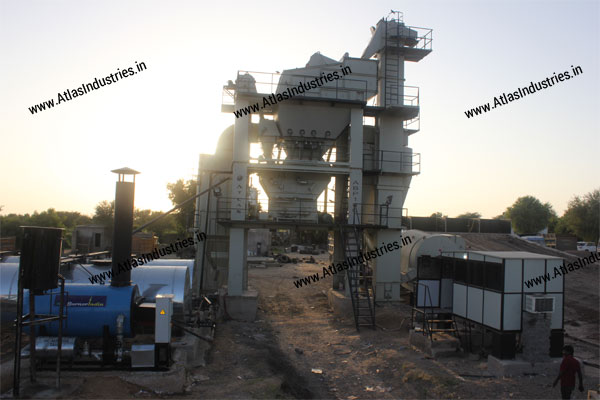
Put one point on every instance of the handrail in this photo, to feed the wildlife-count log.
(412, 124)
(401, 161)
(424, 37)
(279, 156)
(427, 330)
(272, 85)
(408, 98)
(358, 271)
(368, 213)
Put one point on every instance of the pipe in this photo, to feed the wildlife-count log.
(210, 340)
(120, 320)
(121, 276)
(60, 326)
(204, 243)
(19, 328)
(32, 336)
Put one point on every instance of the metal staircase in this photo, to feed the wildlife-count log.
(360, 278)
(432, 319)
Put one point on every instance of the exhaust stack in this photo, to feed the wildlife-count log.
(123, 227)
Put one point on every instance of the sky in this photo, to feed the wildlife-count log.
(159, 120)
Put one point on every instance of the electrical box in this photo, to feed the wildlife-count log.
(536, 304)
(164, 313)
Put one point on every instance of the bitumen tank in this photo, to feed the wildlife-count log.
(8, 291)
(151, 281)
(90, 309)
(425, 244)
(104, 302)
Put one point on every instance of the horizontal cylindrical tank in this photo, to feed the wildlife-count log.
(8, 291)
(8, 279)
(166, 279)
(88, 309)
(151, 280)
(47, 347)
(188, 262)
(425, 244)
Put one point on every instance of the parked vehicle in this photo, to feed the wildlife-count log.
(586, 246)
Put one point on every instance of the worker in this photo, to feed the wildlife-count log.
(568, 367)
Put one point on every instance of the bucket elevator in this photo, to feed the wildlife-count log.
(353, 129)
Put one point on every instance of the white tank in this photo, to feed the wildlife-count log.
(425, 244)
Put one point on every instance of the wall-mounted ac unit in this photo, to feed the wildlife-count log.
(539, 304)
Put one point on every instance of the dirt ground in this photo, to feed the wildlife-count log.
(296, 333)
(297, 348)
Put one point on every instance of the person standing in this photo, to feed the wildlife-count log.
(568, 367)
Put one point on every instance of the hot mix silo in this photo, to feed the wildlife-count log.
(346, 119)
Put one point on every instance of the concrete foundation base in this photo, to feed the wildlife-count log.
(169, 382)
(443, 345)
(340, 304)
(241, 308)
(187, 352)
(190, 350)
(519, 367)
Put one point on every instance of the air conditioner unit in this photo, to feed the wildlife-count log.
(539, 304)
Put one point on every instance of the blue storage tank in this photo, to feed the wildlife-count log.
(88, 308)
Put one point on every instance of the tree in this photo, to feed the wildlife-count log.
(71, 219)
(10, 226)
(105, 214)
(469, 214)
(179, 192)
(529, 215)
(160, 228)
(48, 218)
(437, 214)
(582, 216)
(559, 226)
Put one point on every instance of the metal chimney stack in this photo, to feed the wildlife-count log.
(123, 227)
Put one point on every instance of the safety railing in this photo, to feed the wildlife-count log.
(306, 211)
(282, 209)
(411, 96)
(392, 161)
(380, 214)
(306, 152)
(228, 96)
(267, 83)
(408, 98)
(395, 16)
(421, 39)
(426, 311)
(410, 36)
(412, 125)
(424, 37)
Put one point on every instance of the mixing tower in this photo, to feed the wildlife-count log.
(311, 128)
